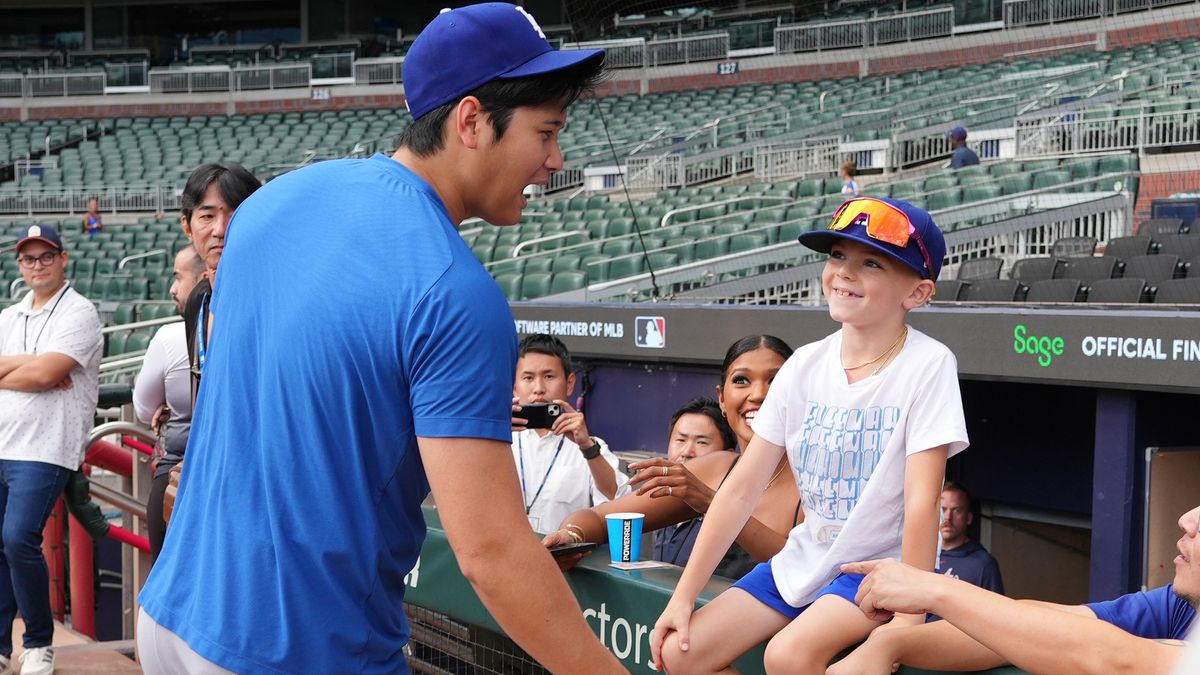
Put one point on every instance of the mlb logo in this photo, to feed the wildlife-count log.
(650, 332)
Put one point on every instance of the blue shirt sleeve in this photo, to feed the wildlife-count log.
(461, 354)
(1155, 615)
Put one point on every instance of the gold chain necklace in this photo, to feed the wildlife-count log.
(777, 472)
(899, 338)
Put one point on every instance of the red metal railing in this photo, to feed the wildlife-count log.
(121, 460)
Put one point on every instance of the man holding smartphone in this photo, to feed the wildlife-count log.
(561, 466)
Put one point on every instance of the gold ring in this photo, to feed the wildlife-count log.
(666, 472)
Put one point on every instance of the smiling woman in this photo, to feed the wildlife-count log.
(675, 492)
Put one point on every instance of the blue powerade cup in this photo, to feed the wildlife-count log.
(625, 536)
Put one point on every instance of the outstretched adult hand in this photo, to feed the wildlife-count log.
(663, 478)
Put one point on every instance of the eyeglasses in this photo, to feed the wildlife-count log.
(882, 222)
(46, 259)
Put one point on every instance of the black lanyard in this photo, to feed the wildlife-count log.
(36, 340)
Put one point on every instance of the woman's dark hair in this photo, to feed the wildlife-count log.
(549, 345)
(702, 405)
(749, 344)
(234, 183)
(500, 98)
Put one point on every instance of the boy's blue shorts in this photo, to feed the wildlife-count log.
(760, 583)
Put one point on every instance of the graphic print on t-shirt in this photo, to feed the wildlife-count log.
(840, 450)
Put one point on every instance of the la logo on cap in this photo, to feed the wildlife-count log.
(34, 231)
(532, 21)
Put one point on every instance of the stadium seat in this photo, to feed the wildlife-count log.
(1018, 182)
(746, 242)
(949, 290)
(1126, 290)
(511, 285)
(1125, 248)
(1178, 292)
(568, 281)
(1186, 246)
(1088, 270)
(1159, 226)
(1073, 247)
(1155, 269)
(116, 343)
(1053, 290)
(124, 313)
(535, 285)
(980, 268)
(1029, 270)
(626, 266)
(564, 263)
(993, 290)
(138, 341)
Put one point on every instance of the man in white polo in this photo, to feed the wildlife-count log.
(50, 348)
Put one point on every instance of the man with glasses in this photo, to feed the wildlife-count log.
(50, 348)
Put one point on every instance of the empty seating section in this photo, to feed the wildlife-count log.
(154, 150)
(1124, 270)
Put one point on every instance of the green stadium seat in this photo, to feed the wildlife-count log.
(1017, 182)
(138, 341)
(510, 284)
(943, 199)
(746, 242)
(564, 263)
(116, 343)
(535, 285)
(124, 313)
(568, 281)
(626, 266)
(978, 193)
(1049, 179)
(617, 247)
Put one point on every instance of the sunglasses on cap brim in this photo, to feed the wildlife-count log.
(882, 222)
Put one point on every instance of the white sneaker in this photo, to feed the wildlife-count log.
(37, 661)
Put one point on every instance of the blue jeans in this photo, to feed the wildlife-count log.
(28, 491)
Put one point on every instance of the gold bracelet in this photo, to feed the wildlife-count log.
(575, 532)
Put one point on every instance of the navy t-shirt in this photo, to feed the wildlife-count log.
(349, 319)
(1155, 615)
(963, 156)
(971, 562)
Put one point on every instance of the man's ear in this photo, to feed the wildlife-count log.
(570, 384)
(970, 518)
(469, 121)
(921, 294)
(187, 228)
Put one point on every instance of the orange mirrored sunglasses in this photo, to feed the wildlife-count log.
(883, 222)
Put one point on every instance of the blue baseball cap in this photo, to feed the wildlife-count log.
(465, 48)
(43, 233)
(911, 255)
(958, 133)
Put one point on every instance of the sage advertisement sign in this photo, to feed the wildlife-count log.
(1123, 349)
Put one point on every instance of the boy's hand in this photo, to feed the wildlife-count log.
(571, 424)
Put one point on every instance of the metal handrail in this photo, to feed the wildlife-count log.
(540, 240)
(699, 207)
(139, 256)
(149, 323)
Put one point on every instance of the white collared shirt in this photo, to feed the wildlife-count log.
(566, 484)
(51, 426)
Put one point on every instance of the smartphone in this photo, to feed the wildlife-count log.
(539, 415)
(571, 549)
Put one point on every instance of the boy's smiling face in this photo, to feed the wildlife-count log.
(865, 287)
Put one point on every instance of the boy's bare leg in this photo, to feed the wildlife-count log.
(808, 644)
(722, 631)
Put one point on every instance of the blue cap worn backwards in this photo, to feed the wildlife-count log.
(465, 48)
(911, 255)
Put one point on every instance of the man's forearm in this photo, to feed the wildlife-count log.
(11, 363)
(27, 378)
(536, 608)
(1040, 639)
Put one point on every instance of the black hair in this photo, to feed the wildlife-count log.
(749, 344)
(549, 345)
(234, 183)
(702, 405)
(500, 98)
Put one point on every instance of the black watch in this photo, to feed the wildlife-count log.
(592, 451)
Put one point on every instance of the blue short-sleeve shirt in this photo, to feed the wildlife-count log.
(1155, 615)
(349, 319)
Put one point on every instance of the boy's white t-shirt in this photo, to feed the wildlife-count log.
(839, 435)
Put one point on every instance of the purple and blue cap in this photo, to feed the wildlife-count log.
(931, 236)
(463, 49)
(43, 233)
(957, 133)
